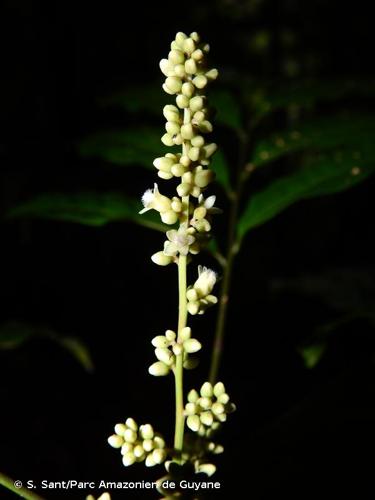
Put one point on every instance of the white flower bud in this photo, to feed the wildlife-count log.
(189, 45)
(200, 81)
(159, 456)
(171, 113)
(194, 153)
(172, 128)
(126, 447)
(206, 390)
(163, 354)
(165, 175)
(161, 259)
(167, 89)
(146, 431)
(170, 335)
(128, 459)
(188, 89)
(198, 117)
(148, 445)
(169, 217)
(193, 308)
(208, 469)
(176, 57)
(219, 387)
(190, 66)
(218, 408)
(177, 140)
(182, 101)
(185, 333)
(163, 163)
(192, 345)
(176, 202)
(197, 141)
(197, 55)
(206, 418)
(150, 462)
(179, 70)
(212, 74)
(177, 349)
(196, 103)
(120, 429)
(183, 189)
(209, 149)
(166, 67)
(115, 441)
(194, 36)
(187, 131)
(130, 436)
(193, 422)
(167, 140)
(160, 341)
(180, 38)
(138, 451)
(200, 213)
(158, 442)
(158, 369)
(173, 84)
(223, 398)
(205, 282)
(192, 295)
(205, 126)
(203, 178)
(190, 408)
(193, 396)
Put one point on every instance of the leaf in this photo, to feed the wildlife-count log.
(321, 134)
(313, 354)
(266, 98)
(137, 146)
(14, 334)
(138, 98)
(90, 209)
(328, 174)
(227, 108)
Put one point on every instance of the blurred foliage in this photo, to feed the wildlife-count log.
(14, 334)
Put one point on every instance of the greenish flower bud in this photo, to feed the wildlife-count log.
(173, 84)
(182, 101)
(196, 103)
(203, 178)
(146, 431)
(180, 38)
(212, 74)
(222, 417)
(163, 163)
(138, 451)
(197, 141)
(169, 217)
(192, 345)
(189, 46)
(187, 131)
(205, 126)
(193, 422)
(177, 349)
(172, 128)
(158, 369)
(219, 389)
(159, 442)
(185, 333)
(132, 424)
(193, 308)
(190, 408)
(150, 462)
(206, 418)
(171, 113)
(159, 456)
(130, 436)
(197, 55)
(167, 68)
(170, 335)
(165, 175)
(206, 390)
(161, 259)
(179, 70)
(148, 445)
(115, 441)
(209, 149)
(160, 341)
(176, 203)
(176, 56)
(194, 153)
(192, 295)
(183, 189)
(177, 140)
(167, 140)
(208, 469)
(128, 459)
(205, 403)
(200, 81)
(185, 161)
(188, 89)
(167, 89)
(223, 398)
(190, 66)
(126, 447)
(194, 36)
(200, 213)
(164, 354)
(218, 408)
(120, 429)
(198, 117)
(193, 396)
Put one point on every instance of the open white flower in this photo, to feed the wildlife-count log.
(205, 282)
(152, 199)
(179, 241)
(208, 204)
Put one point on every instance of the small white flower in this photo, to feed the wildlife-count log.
(205, 282)
(208, 204)
(179, 242)
(152, 199)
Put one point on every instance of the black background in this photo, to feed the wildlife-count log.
(297, 433)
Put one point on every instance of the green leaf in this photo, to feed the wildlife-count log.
(265, 99)
(227, 108)
(14, 334)
(313, 354)
(90, 209)
(328, 174)
(321, 134)
(136, 146)
(138, 98)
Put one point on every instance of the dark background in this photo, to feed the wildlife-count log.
(299, 433)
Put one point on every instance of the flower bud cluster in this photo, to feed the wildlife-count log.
(206, 410)
(138, 444)
(199, 295)
(187, 125)
(167, 347)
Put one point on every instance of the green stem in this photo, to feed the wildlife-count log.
(232, 250)
(22, 492)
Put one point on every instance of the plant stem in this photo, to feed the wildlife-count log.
(22, 492)
(182, 317)
(232, 250)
